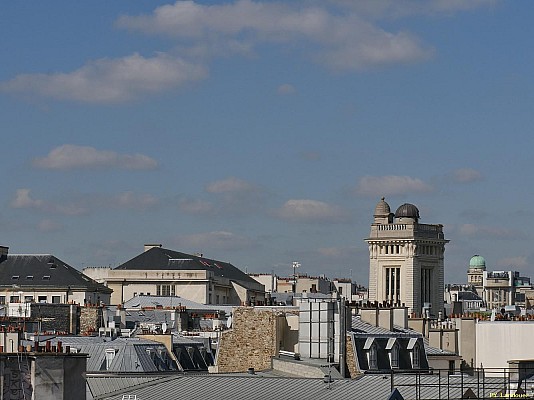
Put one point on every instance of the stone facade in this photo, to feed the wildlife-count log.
(406, 260)
(91, 319)
(251, 342)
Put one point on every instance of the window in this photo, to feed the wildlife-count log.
(15, 277)
(416, 356)
(110, 355)
(42, 299)
(2, 299)
(451, 367)
(14, 299)
(165, 290)
(28, 299)
(395, 356)
(46, 278)
(217, 299)
(56, 299)
(29, 277)
(373, 357)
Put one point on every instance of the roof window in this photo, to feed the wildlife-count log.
(29, 277)
(15, 277)
(46, 277)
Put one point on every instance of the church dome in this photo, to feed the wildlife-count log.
(407, 210)
(382, 208)
(477, 262)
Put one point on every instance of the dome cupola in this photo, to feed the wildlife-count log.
(382, 208)
(477, 262)
(407, 210)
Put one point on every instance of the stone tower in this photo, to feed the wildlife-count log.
(406, 259)
(475, 273)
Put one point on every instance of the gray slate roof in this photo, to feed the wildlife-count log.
(239, 387)
(44, 270)
(158, 258)
(139, 302)
(131, 353)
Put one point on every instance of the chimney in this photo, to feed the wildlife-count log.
(148, 246)
(3, 252)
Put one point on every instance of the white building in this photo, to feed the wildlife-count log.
(406, 259)
(43, 278)
(163, 272)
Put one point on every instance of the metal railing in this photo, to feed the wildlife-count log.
(482, 383)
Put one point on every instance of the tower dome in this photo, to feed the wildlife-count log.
(407, 210)
(477, 262)
(382, 208)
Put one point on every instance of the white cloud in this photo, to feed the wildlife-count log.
(514, 262)
(47, 225)
(286, 89)
(489, 232)
(234, 197)
(70, 156)
(338, 40)
(135, 200)
(199, 207)
(221, 240)
(23, 199)
(83, 204)
(110, 80)
(406, 8)
(230, 185)
(466, 175)
(390, 185)
(311, 211)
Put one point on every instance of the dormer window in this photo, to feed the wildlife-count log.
(29, 277)
(46, 278)
(15, 277)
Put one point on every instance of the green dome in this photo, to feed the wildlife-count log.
(477, 262)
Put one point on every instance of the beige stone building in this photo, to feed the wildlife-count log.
(406, 259)
(163, 272)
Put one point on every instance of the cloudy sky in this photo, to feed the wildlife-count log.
(264, 132)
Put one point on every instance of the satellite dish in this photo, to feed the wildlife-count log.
(164, 327)
(229, 322)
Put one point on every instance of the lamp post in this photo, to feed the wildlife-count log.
(296, 264)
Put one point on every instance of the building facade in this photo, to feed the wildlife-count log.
(44, 278)
(406, 259)
(163, 272)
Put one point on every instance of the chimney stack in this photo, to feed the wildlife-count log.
(148, 246)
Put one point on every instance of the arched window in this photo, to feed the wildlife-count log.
(373, 357)
(416, 356)
(395, 356)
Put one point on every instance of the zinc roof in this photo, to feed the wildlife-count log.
(239, 387)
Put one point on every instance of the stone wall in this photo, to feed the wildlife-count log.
(351, 359)
(90, 319)
(56, 317)
(250, 343)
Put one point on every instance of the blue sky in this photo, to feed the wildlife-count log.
(263, 132)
